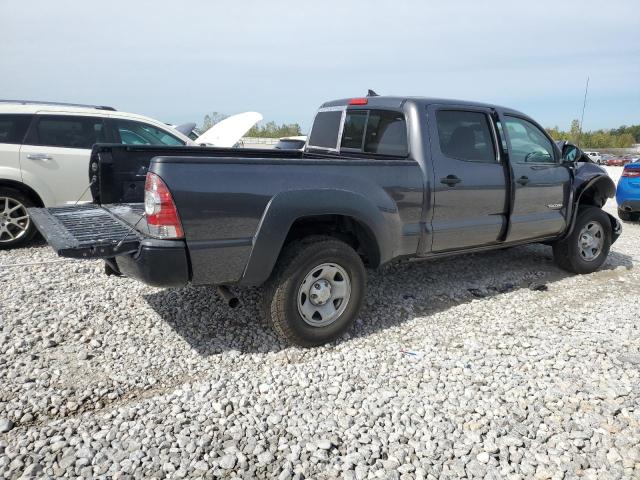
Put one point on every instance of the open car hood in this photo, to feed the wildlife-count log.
(230, 130)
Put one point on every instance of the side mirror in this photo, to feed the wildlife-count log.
(571, 153)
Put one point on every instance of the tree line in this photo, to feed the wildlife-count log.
(622, 137)
(267, 130)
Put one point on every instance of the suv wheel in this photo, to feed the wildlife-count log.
(627, 216)
(586, 249)
(16, 228)
(315, 291)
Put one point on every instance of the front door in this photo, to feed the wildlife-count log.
(57, 151)
(470, 183)
(541, 181)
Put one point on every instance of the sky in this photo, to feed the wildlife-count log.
(177, 61)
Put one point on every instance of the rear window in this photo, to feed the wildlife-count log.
(13, 128)
(465, 135)
(325, 129)
(375, 131)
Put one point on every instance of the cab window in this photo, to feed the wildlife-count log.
(465, 135)
(324, 133)
(137, 133)
(527, 143)
(381, 132)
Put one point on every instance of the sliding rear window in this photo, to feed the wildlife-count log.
(381, 132)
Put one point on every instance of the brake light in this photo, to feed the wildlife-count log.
(358, 101)
(161, 213)
(631, 173)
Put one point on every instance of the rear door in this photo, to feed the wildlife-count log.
(470, 182)
(56, 150)
(12, 130)
(541, 181)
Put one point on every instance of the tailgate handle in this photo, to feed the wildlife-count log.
(450, 180)
(39, 156)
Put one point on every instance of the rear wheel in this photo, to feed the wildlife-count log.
(16, 228)
(587, 247)
(315, 291)
(627, 216)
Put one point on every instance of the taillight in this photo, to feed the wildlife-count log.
(161, 213)
(631, 173)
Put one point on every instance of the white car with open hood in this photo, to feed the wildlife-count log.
(45, 149)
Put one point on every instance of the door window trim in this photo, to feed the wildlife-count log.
(470, 109)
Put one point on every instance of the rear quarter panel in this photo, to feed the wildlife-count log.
(230, 206)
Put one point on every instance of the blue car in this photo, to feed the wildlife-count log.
(628, 192)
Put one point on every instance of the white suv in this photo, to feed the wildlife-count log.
(44, 155)
(595, 156)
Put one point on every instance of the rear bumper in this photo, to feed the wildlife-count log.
(159, 263)
(629, 205)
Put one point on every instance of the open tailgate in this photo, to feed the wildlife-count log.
(85, 231)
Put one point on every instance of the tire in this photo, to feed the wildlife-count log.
(329, 267)
(627, 216)
(13, 205)
(587, 247)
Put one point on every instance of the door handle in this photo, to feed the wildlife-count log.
(450, 180)
(39, 156)
(523, 180)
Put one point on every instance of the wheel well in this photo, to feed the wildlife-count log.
(30, 192)
(597, 193)
(345, 228)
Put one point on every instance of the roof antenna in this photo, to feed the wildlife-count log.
(584, 104)
(371, 93)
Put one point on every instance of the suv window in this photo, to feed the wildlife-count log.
(324, 133)
(137, 133)
(465, 135)
(375, 131)
(13, 128)
(66, 131)
(527, 142)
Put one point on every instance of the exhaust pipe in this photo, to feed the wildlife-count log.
(227, 296)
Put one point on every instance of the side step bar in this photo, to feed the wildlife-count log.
(85, 231)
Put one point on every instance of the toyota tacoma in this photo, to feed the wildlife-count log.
(380, 179)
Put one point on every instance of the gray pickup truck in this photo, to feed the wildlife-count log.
(380, 179)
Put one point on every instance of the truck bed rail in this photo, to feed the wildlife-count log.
(85, 231)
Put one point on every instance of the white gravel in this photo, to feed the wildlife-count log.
(107, 377)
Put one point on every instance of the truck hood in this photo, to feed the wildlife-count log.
(229, 131)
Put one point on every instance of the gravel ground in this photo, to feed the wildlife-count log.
(520, 371)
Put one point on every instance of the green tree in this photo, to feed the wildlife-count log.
(211, 119)
(621, 137)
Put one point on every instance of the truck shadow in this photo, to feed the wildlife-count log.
(395, 294)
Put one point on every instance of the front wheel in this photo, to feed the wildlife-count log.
(587, 247)
(315, 291)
